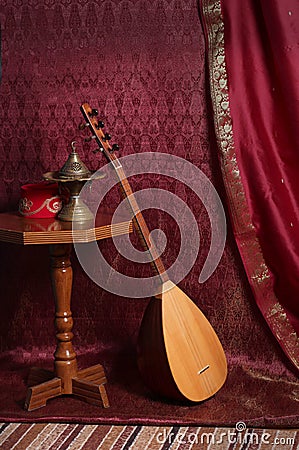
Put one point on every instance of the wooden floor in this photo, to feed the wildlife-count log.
(59, 436)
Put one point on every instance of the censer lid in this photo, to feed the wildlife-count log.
(74, 167)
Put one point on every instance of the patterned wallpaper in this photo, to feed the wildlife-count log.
(140, 63)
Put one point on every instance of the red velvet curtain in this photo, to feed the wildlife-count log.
(253, 56)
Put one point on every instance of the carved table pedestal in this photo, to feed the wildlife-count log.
(87, 384)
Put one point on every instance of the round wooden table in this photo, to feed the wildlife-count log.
(87, 384)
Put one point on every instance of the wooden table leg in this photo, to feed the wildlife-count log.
(87, 384)
(62, 278)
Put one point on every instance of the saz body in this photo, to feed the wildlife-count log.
(179, 353)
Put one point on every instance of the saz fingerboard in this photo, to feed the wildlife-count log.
(102, 139)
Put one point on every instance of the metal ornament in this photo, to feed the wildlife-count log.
(74, 168)
(71, 178)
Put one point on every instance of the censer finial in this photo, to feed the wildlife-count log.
(72, 176)
(74, 167)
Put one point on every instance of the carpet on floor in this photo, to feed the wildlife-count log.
(92, 437)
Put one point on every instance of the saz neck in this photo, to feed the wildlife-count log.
(138, 220)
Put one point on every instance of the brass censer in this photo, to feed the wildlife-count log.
(72, 177)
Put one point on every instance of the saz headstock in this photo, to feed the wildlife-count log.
(96, 127)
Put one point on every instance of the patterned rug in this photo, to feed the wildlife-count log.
(43, 436)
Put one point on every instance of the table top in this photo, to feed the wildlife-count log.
(20, 230)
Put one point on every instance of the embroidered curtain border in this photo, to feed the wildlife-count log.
(259, 275)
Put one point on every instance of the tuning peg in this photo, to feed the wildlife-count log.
(114, 148)
(88, 139)
(97, 150)
(82, 126)
(100, 124)
(93, 113)
(107, 137)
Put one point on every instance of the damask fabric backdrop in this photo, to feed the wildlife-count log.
(142, 65)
